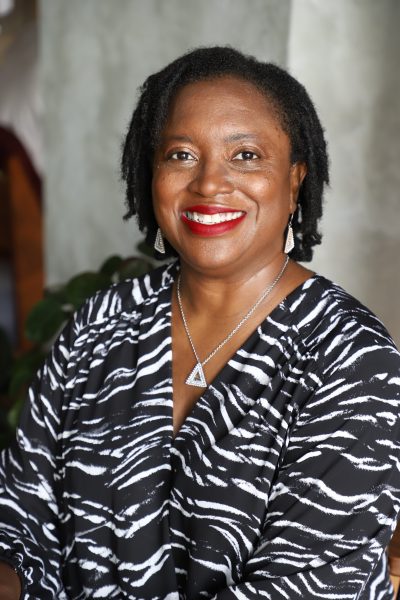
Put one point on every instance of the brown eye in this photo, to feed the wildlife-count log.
(246, 155)
(181, 155)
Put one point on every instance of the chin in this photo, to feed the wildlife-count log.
(212, 259)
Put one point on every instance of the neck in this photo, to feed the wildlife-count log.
(228, 295)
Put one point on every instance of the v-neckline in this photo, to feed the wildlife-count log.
(206, 395)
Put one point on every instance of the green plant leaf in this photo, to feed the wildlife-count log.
(24, 370)
(6, 432)
(110, 265)
(44, 321)
(133, 267)
(82, 286)
(56, 293)
(15, 411)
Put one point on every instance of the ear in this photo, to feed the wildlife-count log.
(297, 173)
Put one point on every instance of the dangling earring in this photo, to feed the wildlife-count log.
(159, 242)
(289, 244)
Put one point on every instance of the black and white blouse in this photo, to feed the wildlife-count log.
(283, 482)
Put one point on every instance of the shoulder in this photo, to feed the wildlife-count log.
(115, 313)
(339, 329)
(126, 299)
(322, 309)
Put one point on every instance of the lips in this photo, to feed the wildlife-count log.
(208, 220)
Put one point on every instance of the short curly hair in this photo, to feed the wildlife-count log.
(289, 98)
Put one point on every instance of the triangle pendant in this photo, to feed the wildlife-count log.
(196, 377)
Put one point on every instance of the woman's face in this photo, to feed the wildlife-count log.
(223, 183)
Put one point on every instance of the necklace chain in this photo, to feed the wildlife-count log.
(200, 363)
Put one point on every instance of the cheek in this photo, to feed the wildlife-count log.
(164, 188)
(271, 194)
(159, 190)
(157, 186)
(164, 197)
(261, 186)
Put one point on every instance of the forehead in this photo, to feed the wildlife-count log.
(229, 99)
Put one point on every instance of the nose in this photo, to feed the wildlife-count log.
(212, 178)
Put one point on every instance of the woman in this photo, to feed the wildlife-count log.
(226, 426)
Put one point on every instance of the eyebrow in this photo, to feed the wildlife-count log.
(178, 138)
(235, 137)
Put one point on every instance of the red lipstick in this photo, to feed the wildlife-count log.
(211, 229)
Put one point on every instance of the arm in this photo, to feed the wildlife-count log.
(334, 504)
(28, 503)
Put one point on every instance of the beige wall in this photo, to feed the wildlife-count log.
(346, 52)
(95, 53)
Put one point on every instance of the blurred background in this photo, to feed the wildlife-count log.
(69, 73)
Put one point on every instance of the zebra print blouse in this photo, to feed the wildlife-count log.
(283, 483)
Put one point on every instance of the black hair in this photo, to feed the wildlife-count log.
(289, 98)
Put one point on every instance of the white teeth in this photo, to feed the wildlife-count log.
(212, 219)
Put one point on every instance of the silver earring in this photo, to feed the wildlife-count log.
(289, 244)
(159, 242)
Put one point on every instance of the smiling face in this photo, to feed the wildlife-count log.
(223, 183)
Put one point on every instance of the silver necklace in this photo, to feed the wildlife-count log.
(197, 377)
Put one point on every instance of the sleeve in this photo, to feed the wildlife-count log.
(28, 504)
(334, 503)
